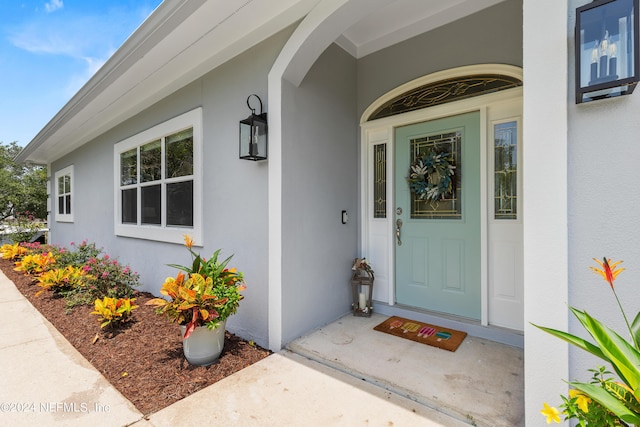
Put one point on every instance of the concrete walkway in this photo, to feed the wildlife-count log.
(482, 382)
(286, 389)
(46, 382)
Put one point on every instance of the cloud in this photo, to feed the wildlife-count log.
(53, 5)
(39, 38)
(87, 39)
(73, 35)
(77, 80)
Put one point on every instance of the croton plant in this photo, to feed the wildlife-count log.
(208, 294)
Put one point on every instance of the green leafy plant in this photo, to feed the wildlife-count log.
(24, 227)
(209, 294)
(79, 256)
(114, 312)
(110, 277)
(605, 401)
(23, 187)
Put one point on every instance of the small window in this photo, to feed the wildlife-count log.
(380, 181)
(505, 171)
(64, 194)
(158, 181)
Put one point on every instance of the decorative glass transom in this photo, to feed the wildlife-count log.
(506, 170)
(444, 91)
(443, 152)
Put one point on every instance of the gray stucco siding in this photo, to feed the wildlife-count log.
(235, 191)
(603, 205)
(320, 179)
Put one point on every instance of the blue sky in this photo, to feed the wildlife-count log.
(49, 49)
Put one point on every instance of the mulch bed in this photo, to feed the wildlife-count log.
(144, 360)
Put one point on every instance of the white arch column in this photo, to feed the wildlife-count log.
(321, 27)
(545, 205)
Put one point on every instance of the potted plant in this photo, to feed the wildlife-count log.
(200, 302)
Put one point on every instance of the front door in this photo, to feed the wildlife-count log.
(437, 215)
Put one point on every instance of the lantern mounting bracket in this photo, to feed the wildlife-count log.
(253, 110)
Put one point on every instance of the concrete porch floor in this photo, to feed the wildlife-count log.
(481, 383)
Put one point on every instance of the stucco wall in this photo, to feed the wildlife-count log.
(604, 202)
(493, 35)
(235, 191)
(320, 150)
(320, 179)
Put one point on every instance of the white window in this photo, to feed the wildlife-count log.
(158, 181)
(64, 194)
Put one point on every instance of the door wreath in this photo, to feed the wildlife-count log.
(431, 176)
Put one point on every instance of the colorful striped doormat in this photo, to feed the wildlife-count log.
(445, 338)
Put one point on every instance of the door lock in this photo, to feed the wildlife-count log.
(398, 227)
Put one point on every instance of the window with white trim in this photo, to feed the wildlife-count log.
(64, 194)
(158, 181)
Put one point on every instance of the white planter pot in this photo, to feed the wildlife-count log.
(204, 345)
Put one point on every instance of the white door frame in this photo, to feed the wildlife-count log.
(376, 242)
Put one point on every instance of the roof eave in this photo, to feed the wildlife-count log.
(109, 98)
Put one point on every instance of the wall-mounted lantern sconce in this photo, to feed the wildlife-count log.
(606, 49)
(253, 134)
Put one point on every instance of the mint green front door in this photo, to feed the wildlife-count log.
(438, 241)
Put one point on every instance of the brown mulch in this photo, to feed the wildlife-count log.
(143, 360)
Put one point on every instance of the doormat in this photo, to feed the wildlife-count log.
(445, 338)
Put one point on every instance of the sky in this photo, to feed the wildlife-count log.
(49, 49)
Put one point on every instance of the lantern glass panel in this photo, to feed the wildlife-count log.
(606, 49)
(245, 131)
(253, 138)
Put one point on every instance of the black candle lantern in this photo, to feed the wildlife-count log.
(253, 134)
(606, 49)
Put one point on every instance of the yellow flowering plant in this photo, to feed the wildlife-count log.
(606, 400)
(114, 312)
(63, 280)
(35, 264)
(15, 251)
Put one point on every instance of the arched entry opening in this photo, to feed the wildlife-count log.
(447, 248)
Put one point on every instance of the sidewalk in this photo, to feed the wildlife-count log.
(47, 382)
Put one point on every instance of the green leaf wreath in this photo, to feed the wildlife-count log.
(431, 176)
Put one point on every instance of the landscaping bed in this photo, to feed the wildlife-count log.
(144, 359)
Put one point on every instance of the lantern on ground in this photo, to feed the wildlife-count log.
(362, 288)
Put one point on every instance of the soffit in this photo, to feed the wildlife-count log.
(403, 19)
